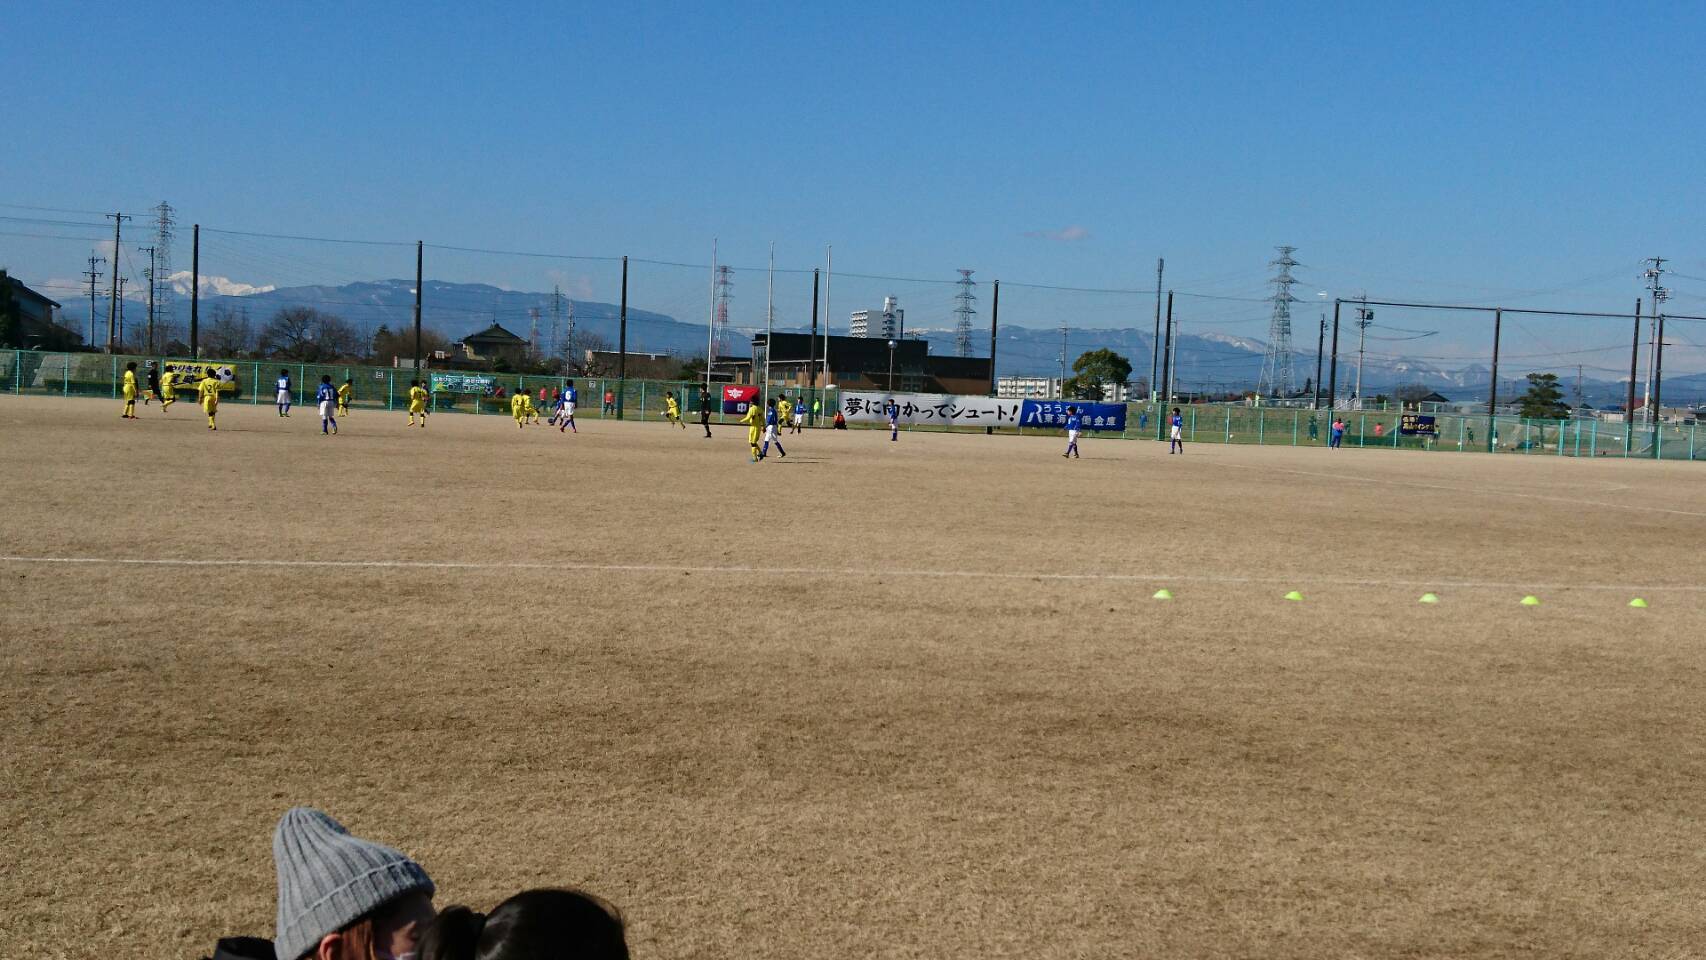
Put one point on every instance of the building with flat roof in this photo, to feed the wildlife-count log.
(889, 323)
(863, 363)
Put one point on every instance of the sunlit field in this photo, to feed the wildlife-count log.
(875, 699)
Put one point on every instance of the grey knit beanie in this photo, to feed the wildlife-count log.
(328, 879)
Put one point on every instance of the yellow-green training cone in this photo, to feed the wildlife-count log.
(1638, 602)
(1163, 595)
(1294, 595)
(1428, 598)
(1531, 601)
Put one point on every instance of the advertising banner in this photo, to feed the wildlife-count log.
(191, 372)
(1416, 425)
(463, 383)
(931, 409)
(737, 398)
(1052, 413)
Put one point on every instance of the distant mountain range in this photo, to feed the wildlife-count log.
(1212, 361)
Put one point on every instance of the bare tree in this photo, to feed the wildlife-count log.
(229, 333)
(308, 335)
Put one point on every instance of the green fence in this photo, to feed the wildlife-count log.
(29, 372)
(99, 375)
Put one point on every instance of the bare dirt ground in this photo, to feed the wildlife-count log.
(875, 700)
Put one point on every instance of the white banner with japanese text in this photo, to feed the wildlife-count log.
(931, 409)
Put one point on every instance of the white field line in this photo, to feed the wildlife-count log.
(740, 570)
(1469, 488)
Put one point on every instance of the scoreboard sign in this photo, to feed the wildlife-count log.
(1416, 425)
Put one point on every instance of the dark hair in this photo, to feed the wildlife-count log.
(532, 924)
(283, 372)
(325, 378)
(131, 365)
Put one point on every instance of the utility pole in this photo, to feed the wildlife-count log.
(1062, 393)
(118, 220)
(1634, 365)
(556, 319)
(1659, 294)
(828, 275)
(622, 346)
(94, 276)
(118, 337)
(150, 272)
(1155, 343)
(811, 351)
(1365, 316)
(1320, 343)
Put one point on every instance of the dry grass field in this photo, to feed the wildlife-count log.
(875, 700)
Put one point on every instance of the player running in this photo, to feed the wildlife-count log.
(784, 410)
(705, 411)
(518, 408)
(672, 410)
(799, 414)
(417, 402)
(770, 433)
(1176, 433)
(528, 410)
(892, 411)
(168, 389)
(754, 421)
(129, 392)
(346, 393)
(153, 384)
(207, 391)
(326, 396)
(566, 408)
(1074, 423)
(284, 393)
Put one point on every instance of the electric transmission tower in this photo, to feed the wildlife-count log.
(165, 221)
(1276, 364)
(963, 312)
(723, 294)
(554, 349)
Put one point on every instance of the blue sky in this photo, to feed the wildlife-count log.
(1467, 152)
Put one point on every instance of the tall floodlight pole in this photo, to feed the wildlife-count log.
(811, 351)
(1365, 316)
(828, 275)
(622, 339)
(1155, 342)
(769, 320)
(418, 246)
(711, 325)
(1333, 362)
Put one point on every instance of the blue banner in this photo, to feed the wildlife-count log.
(1052, 413)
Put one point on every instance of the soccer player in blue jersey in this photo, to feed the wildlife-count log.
(566, 408)
(327, 396)
(1176, 433)
(892, 411)
(770, 433)
(284, 393)
(1074, 422)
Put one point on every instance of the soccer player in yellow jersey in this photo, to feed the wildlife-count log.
(754, 421)
(516, 409)
(528, 410)
(784, 410)
(417, 402)
(345, 393)
(207, 391)
(129, 392)
(168, 389)
(672, 410)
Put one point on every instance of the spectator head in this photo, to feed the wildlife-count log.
(532, 925)
(341, 897)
